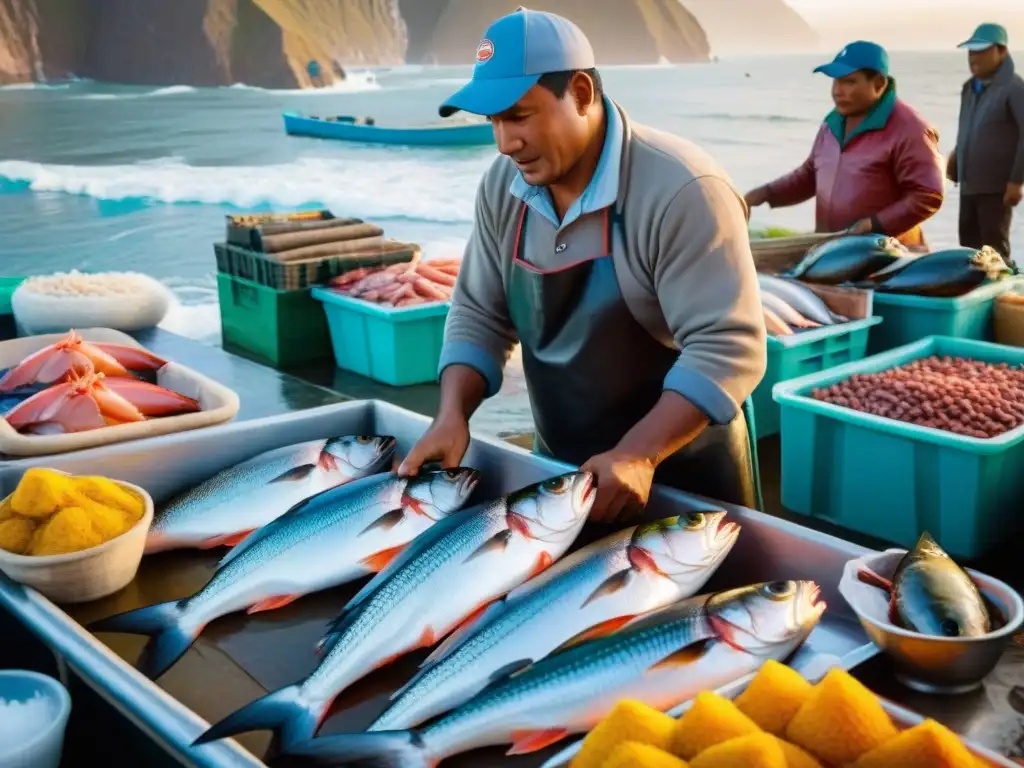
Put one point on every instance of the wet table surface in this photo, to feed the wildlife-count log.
(212, 679)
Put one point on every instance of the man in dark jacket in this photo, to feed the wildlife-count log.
(988, 163)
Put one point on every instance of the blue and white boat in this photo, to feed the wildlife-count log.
(348, 128)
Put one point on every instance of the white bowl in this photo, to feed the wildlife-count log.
(924, 662)
(78, 577)
(42, 748)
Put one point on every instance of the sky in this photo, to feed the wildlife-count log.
(910, 24)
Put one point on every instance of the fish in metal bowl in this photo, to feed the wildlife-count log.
(943, 627)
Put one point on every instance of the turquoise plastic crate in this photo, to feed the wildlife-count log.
(395, 346)
(905, 319)
(894, 480)
(805, 353)
(7, 286)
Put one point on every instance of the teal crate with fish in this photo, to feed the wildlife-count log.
(282, 329)
(399, 347)
(892, 479)
(905, 319)
(7, 287)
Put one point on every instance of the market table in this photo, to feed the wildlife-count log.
(985, 716)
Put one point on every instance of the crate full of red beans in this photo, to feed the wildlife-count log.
(927, 436)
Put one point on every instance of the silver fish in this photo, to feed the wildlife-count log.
(440, 581)
(331, 538)
(591, 593)
(663, 659)
(236, 501)
(800, 298)
(788, 315)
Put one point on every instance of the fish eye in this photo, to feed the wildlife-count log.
(778, 590)
(949, 628)
(556, 485)
(363, 439)
(695, 521)
(451, 474)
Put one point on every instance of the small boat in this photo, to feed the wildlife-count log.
(347, 128)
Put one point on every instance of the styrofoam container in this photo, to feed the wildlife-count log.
(218, 403)
(42, 747)
(79, 577)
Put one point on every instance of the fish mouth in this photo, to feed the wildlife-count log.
(469, 483)
(727, 534)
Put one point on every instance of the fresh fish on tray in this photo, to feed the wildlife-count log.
(591, 593)
(236, 501)
(786, 313)
(946, 273)
(801, 298)
(446, 577)
(847, 258)
(663, 659)
(336, 536)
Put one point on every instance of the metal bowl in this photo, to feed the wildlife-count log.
(947, 665)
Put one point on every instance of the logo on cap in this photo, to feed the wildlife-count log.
(843, 52)
(485, 50)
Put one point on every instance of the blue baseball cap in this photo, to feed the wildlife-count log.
(985, 36)
(515, 52)
(855, 57)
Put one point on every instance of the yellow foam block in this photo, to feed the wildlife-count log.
(6, 510)
(755, 750)
(774, 696)
(926, 745)
(40, 493)
(105, 491)
(796, 757)
(711, 720)
(628, 721)
(633, 754)
(70, 530)
(840, 721)
(16, 534)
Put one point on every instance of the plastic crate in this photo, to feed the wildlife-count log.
(894, 480)
(805, 353)
(278, 328)
(905, 319)
(395, 346)
(7, 287)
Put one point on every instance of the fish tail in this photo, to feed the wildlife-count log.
(169, 637)
(380, 749)
(291, 717)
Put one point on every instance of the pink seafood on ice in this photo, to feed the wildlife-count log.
(72, 355)
(92, 401)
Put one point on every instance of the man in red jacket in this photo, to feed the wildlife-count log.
(875, 165)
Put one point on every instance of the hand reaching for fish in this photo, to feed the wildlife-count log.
(446, 441)
(623, 485)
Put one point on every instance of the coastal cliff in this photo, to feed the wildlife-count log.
(753, 26)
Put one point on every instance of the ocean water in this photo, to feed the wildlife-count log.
(104, 177)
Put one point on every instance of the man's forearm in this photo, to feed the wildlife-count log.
(462, 391)
(672, 423)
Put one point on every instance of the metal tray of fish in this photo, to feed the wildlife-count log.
(240, 657)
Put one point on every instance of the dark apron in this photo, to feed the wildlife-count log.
(593, 372)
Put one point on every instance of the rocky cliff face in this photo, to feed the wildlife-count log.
(753, 26)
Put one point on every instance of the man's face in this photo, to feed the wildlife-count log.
(984, 64)
(545, 135)
(856, 94)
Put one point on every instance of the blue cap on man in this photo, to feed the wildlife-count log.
(855, 57)
(515, 52)
(985, 36)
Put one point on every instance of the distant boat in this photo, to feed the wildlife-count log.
(349, 128)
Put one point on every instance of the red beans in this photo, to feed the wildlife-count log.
(959, 395)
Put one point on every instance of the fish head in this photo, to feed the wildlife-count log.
(548, 509)
(679, 547)
(988, 260)
(359, 455)
(769, 619)
(438, 493)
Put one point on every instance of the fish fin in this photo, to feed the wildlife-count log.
(498, 542)
(378, 561)
(295, 474)
(168, 640)
(387, 521)
(427, 638)
(272, 603)
(683, 657)
(610, 586)
(463, 628)
(132, 358)
(510, 670)
(544, 561)
(226, 540)
(605, 628)
(525, 742)
(284, 711)
(374, 749)
(868, 576)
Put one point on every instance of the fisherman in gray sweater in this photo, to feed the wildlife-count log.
(618, 257)
(988, 162)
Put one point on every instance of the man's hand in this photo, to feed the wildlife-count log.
(756, 197)
(623, 485)
(1014, 194)
(446, 441)
(951, 170)
(862, 227)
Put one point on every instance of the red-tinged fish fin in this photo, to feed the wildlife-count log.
(544, 561)
(227, 540)
(497, 543)
(387, 521)
(415, 505)
(378, 561)
(519, 524)
(683, 657)
(868, 576)
(295, 474)
(327, 462)
(609, 586)
(605, 628)
(273, 603)
(427, 638)
(525, 742)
